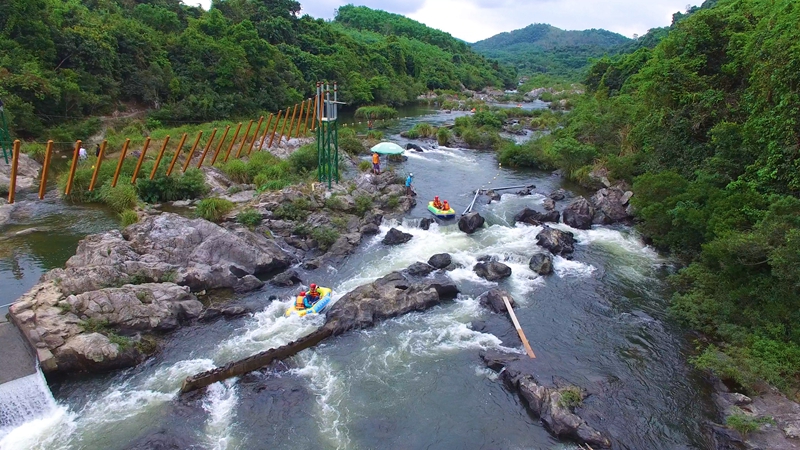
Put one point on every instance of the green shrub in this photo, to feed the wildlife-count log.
(410, 134)
(744, 423)
(304, 159)
(350, 143)
(374, 134)
(363, 204)
(249, 217)
(128, 217)
(120, 198)
(571, 397)
(236, 170)
(424, 129)
(380, 112)
(34, 150)
(443, 136)
(296, 210)
(175, 187)
(121, 341)
(365, 166)
(393, 202)
(214, 209)
(324, 237)
(334, 203)
(92, 325)
(302, 230)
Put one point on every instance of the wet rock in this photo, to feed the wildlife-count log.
(370, 229)
(209, 314)
(559, 194)
(492, 271)
(557, 241)
(723, 438)
(94, 352)
(493, 196)
(548, 204)
(471, 222)
(396, 237)
(525, 192)
(440, 260)
(533, 217)
(419, 269)
(286, 279)
(579, 214)
(234, 311)
(415, 147)
(390, 296)
(611, 205)
(426, 223)
(493, 300)
(541, 263)
(543, 401)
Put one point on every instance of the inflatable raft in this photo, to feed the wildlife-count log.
(324, 299)
(442, 214)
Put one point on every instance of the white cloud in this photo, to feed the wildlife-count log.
(473, 20)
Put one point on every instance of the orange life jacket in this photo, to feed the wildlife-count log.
(446, 206)
(298, 304)
(376, 159)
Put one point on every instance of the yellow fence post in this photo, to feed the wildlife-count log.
(316, 110)
(140, 161)
(158, 158)
(191, 152)
(299, 120)
(308, 115)
(73, 167)
(244, 140)
(275, 129)
(266, 131)
(177, 153)
(97, 165)
(12, 184)
(119, 164)
(208, 146)
(255, 135)
(43, 183)
(283, 128)
(233, 141)
(219, 147)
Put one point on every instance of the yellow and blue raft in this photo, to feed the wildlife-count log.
(441, 213)
(324, 299)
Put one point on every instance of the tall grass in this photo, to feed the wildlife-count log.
(214, 209)
(380, 112)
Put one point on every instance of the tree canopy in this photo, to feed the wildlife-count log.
(65, 60)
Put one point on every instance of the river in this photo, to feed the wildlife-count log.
(416, 381)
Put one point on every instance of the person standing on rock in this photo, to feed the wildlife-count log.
(409, 180)
(376, 163)
(97, 150)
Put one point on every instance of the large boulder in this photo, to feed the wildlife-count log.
(557, 241)
(396, 237)
(286, 279)
(545, 402)
(470, 223)
(387, 297)
(492, 270)
(579, 214)
(493, 300)
(440, 260)
(611, 205)
(541, 263)
(534, 217)
(420, 269)
(27, 173)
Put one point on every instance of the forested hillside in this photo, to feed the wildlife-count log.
(706, 127)
(541, 48)
(65, 60)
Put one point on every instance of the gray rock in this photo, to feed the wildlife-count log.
(493, 196)
(286, 279)
(610, 206)
(440, 260)
(492, 271)
(549, 204)
(396, 237)
(471, 222)
(579, 214)
(27, 173)
(419, 269)
(559, 194)
(541, 263)
(426, 223)
(493, 300)
(370, 229)
(557, 241)
(533, 217)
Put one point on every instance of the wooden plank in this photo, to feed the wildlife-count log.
(521, 333)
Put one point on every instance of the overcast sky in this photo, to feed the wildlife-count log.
(474, 20)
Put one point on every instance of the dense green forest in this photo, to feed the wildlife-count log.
(541, 48)
(706, 126)
(65, 60)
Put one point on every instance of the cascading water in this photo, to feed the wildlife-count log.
(24, 400)
(415, 381)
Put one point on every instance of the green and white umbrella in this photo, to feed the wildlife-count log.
(388, 148)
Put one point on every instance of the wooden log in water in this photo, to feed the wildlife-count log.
(521, 333)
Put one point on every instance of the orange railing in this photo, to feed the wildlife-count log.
(295, 126)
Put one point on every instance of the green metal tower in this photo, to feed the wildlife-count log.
(5, 136)
(327, 133)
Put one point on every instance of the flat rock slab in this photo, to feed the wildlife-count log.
(18, 360)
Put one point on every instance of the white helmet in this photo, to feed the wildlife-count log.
(411, 174)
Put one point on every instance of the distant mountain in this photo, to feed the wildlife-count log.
(542, 48)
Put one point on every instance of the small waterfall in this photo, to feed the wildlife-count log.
(22, 400)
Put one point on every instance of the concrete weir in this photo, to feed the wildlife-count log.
(393, 295)
(18, 359)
